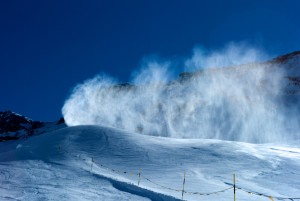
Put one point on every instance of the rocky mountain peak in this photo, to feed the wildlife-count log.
(12, 122)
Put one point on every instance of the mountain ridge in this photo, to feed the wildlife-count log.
(14, 126)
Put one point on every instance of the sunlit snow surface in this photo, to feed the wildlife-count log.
(35, 170)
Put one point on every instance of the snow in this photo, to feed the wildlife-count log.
(252, 102)
(38, 170)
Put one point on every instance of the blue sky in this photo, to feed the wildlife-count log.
(47, 47)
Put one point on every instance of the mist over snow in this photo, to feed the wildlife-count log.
(223, 94)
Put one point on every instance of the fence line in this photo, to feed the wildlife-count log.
(268, 196)
(234, 187)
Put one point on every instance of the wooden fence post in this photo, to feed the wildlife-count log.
(92, 162)
(183, 186)
(234, 187)
(139, 177)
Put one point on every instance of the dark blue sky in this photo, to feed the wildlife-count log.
(47, 47)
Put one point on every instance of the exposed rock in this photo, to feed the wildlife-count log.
(12, 122)
(61, 121)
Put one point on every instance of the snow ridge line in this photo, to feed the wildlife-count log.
(61, 150)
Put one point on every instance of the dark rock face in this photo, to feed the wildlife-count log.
(123, 87)
(61, 121)
(12, 122)
(284, 58)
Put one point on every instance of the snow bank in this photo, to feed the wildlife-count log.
(36, 170)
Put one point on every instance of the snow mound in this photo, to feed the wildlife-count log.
(58, 165)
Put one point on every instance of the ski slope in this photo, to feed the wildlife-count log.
(38, 170)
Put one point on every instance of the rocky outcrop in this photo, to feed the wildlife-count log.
(14, 126)
(12, 122)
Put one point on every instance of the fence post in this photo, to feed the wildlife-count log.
(183, 186)
(92, 162)
(139, 177)
(234, 187)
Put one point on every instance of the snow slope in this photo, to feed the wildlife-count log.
(35, 170)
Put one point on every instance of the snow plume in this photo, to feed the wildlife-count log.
(231, 55)
(233, 103)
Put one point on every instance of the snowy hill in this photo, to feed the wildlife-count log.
(57, 166)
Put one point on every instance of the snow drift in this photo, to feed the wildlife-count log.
(242, 103)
